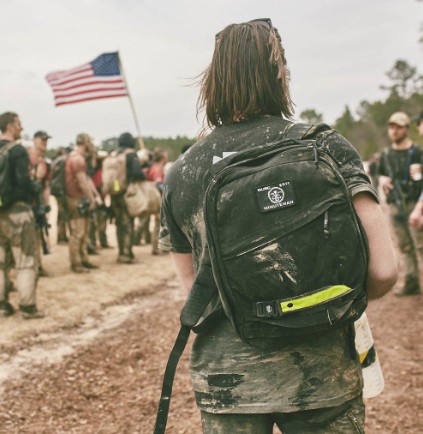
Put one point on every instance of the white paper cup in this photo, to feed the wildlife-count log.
(416, 172)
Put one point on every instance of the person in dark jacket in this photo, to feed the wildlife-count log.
(17, 227)
(124, 222)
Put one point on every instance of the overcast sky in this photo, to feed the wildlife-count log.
(337, 50)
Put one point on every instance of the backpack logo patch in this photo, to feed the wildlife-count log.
(275, 196)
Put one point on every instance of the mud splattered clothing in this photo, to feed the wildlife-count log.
(17, 232)
(228, 375)
(347, 418)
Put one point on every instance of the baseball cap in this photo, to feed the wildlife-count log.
(42, 134)
(399, 118)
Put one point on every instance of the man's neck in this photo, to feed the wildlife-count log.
(80, 150)
(40, 152)
(402, 146)
(7, 136)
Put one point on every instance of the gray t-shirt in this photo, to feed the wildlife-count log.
(228, 375)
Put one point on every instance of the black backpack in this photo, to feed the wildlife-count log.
(286, 252)
(6, 185)
(58, 181)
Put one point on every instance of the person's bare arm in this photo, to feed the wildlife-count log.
(416, 216)
(46, 193)
(382, 272)
(84, 185)
(95, 193)
(184, 269)
(385, 182)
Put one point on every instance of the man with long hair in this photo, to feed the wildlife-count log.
(305, 385)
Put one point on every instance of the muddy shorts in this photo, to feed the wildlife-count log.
(347, 418)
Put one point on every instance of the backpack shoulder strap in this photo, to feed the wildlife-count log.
(7, 147)
(297, 131)
(201, 293)
(301, 131)
(168, 378)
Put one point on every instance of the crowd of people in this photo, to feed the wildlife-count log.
(309, 383)
(76, 178)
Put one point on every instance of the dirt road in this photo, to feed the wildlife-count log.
(95, 364)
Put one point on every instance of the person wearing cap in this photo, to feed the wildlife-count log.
(124, 222)
(40, 174)
(17, 229)
(400, 171)
(81, 198)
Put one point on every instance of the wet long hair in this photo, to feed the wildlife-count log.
(247, 77)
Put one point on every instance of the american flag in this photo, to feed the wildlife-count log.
(101, 78)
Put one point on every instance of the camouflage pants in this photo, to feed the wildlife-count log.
(17, 235)
(78, 240)
(39, 248)
(98, 226)
(124, 226)
(410, 242)
(62, 220)
(347, 418)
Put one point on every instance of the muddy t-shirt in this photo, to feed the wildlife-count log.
(228, 375)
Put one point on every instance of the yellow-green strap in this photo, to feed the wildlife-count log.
(314, 299)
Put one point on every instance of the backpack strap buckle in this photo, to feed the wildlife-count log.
(266, 309)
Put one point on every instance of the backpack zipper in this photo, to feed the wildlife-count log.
(354, 421)
(315, 152)
(326, 224)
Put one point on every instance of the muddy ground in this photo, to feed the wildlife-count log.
(95, 364)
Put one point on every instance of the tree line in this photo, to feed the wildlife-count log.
(366, 128)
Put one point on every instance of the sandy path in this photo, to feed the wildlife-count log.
(95, 364)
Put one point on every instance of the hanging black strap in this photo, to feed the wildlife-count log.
(406, 174)
(203, 290)
(169, 375)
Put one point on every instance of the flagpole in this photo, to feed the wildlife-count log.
(131, 102)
